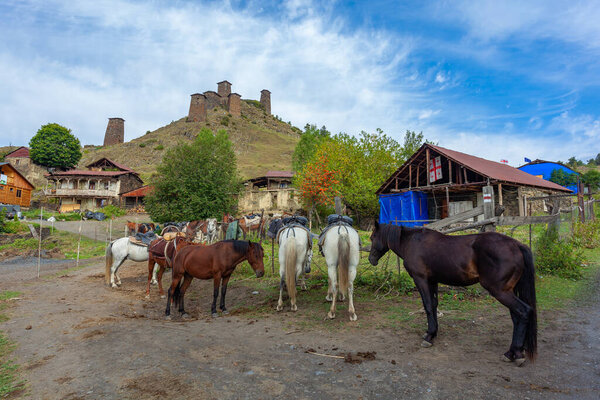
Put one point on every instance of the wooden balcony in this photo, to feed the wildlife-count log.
(80, 193)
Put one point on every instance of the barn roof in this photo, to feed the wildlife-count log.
(139, 192)
(18, 173)
(492, 170)
(20, 152)
(279, 174)
(109, 161)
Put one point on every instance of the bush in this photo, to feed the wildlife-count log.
(142, 144)
(159, 147)
(556, 256)
(113, 211)
(225, 121)
(587, 234)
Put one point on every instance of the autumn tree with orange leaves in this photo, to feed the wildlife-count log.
(317, 183)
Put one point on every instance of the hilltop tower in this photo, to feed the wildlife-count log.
(115, 131)
(234, 104)
(197, 108)
(265, 100)
(224, 88)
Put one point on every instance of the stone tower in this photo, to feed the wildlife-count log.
(265, 100)
(115, 131)
(197, 108)
(224, 88)
(234, 105)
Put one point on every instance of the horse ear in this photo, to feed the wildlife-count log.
(376, 224)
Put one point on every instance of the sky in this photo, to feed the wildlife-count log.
(499, 80)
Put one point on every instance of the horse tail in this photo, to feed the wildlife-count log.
(167, 259)
(525, 290)
(290, 267)
(109, 262)
(343, 261)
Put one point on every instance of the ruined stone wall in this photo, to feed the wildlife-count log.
(224, 89)
(197, 108)
(234, 104)
(115, 131)
(265, 100)
(212, 99)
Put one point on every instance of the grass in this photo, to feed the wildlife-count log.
(10, 380)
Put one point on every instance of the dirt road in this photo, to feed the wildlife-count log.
(78, 339)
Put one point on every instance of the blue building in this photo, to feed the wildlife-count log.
(543, 169)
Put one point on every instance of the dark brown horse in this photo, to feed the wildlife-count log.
(161, 252)
(216, 262)
(501, 264)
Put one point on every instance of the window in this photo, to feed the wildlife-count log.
(92, 185)
(11, 189)
(18, 192)
(106, 185)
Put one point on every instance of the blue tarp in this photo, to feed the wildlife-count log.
(545, 170)
(399, 208)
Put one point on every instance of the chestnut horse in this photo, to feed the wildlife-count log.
(216, 262)
(502, 265)
(134, 227)
(161, 253)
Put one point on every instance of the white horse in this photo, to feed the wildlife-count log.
(294, 253)
(211, 230)
(117, 252)
(341, 249)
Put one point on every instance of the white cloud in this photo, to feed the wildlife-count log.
(440, 78)
(580, 127)
(425, 114)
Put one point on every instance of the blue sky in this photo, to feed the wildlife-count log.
(501, 80)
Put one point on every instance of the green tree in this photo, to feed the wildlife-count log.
(195, 181)
(307, 146)
(412, 142)
(55, 146)
(592, 179)
(597, 159)
(562, 178)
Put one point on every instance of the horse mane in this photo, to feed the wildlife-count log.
(240, 246)
(391, 233)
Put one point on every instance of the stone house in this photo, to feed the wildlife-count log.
(272, 192)
(100, 184)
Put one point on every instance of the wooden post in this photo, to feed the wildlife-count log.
(427, 167)
(449, 171)
(520, 201)
(110, 231)
(40, 243)
(409, 176)
(488, 207)
(580, 202)
(79, 242)
(417, 176)
(500, 194)
(338, 204)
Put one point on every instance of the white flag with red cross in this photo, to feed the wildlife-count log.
(435, 169)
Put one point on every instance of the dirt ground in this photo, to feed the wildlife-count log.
(78, 339)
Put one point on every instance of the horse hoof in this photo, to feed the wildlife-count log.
(147, 297)
(114, 286)
(353, 317)
(294, 308)
(162, 296)
(225, 312)
(154, 283)
(426, 344)
(279, 308)
(330, 315)
(214, 315)
(167, 318)
(328, 298)
(185, 316)
(520, 362)
(506, 359)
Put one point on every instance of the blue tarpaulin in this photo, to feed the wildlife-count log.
(400, 208)
(544, 170)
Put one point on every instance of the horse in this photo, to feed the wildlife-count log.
(341, 247)
(160, 255)
(134, 227)
(202, 230)
(217, 261)
(502, 265)
(293, 255)
(116, 253)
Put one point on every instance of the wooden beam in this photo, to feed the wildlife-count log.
(488, 206)
(456, 218)
(427, 165)
(485, 222)
(449, 171)
(500, 194)
(465, 173)
(544, 219)
(409, 176)
(417, 176)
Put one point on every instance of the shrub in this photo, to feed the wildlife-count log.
(113, 211)
(142, 144)
(587, 234)
(159, 147)
(557, 256)
(225, 121)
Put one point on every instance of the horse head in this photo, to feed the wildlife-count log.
(379, 244)
(255, 258)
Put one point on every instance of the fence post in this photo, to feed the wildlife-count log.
(488, 207)
(273, 255)
(338, 205)
(580, 202)
(40, 243)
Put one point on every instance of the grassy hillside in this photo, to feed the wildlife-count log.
(261, 142)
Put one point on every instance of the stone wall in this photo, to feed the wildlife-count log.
(269, 200)
(197, 108)
(265, 100)
(115, 131)
(224, 88)
(212, 99)
(234, 104)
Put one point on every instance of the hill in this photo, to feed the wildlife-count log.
(261, 142)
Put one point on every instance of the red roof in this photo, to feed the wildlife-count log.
(20, 152)
(116, 164)
(496, 170)
(86, 172)
(139, 192)
(279, 174)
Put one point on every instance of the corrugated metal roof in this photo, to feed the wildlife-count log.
(20, 152)
(139, 192)
(497, 171)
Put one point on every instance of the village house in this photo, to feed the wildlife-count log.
(436, 183)
(272, 192)
(100, 184)
(21, 161)
(15, 189)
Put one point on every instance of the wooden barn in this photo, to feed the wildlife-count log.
(135, 198)
(14, 187)
(436, 183)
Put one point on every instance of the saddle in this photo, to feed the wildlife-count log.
(168, 236)
(295, 221)
(334, 220)
(143, 239)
